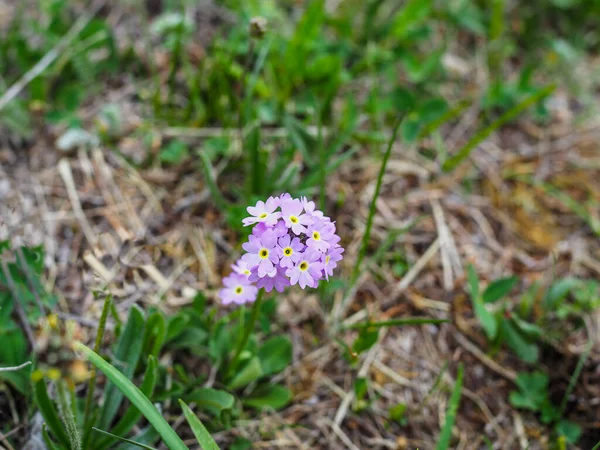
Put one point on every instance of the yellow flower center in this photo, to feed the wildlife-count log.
(303, 266)
(247, 272)
(327, 258)
(316, 236)
(293, 219)
(263, 215)
(288, 251)
(264, 253)
(239, 290)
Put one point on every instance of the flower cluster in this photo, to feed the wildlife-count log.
(291, 243)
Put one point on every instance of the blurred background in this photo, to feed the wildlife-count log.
(133, 135)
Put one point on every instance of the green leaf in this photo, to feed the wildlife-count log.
(446, 433)
(410, 16)
(250, 372)
(524, 349)
(47, 440)
(367, 337)
(268, 396)
(133, 414)
(498, 289)
(473, 281)
(136, 396)
(397, 413)
(559, 291)
(569, 430)
(203, 437)
(275, 355)
(122, 439)
(360, 388)
(533, 391)
(49, 413)
(452, 162)
(487, 320)
(127, 355)
(214, 401)
(241, 444)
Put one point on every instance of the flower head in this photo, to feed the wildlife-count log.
(292, 243)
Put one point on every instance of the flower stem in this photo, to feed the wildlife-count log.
(247, 330)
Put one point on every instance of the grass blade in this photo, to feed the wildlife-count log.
(133, 414)
(452, 162)
(129, 441)
(135, 396)
(446, 433)
(372, 208)
(127, 356)
(398, 323)
(92, 383)
(203, 437)
(49, 413)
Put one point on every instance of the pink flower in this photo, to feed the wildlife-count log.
(289, 250)
(330, 260)
(262, 252)
(241, 267)
(307, 271)
(278, 280)
(263, 212)
(309, 207)
(291, 212)
(238, 289)
(321, 235)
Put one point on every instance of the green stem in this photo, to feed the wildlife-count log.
(92, 383)
(372, 207)
(247, 330)
(66, 414)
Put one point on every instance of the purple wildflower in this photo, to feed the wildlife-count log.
(238, 289)
(289, 250)
(321, 235)
(241, 267)
(307, 271)
(275, 279)
(291, 212)
(330, 260)
(262, 252)
(263, 212)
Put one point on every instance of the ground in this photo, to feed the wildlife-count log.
(525, 203)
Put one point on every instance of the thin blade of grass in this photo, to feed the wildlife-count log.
(575, 376)
(135, 396)
(397, 323)
(129, 441)
(49, 413)
(452, 162)
(446, 433)
(92, 383)
(203, 437)
(366, 236)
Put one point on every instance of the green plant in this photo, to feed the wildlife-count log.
(533, 395)
(503, 324)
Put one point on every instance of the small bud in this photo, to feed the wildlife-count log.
(258, 27)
